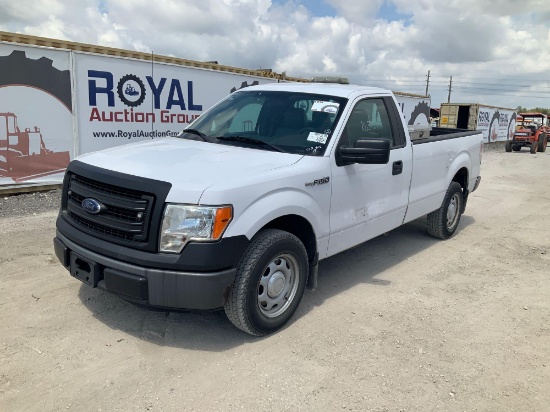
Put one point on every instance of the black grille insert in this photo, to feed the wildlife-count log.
(126, 214)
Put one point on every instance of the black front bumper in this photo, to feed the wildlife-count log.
(150, 286)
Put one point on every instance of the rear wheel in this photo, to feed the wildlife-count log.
(270, 282)
(443, 222)
(534, 146)
(508, 146)
(542, 143)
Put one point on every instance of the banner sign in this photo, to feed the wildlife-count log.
(416, 110)
(122, 101)
(36, 133)
(496, 124)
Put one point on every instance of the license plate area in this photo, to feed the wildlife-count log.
(84, 270)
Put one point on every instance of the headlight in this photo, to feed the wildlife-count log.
(184, 223)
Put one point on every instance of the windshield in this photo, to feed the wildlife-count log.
(299, 123)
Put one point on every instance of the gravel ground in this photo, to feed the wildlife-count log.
(29, 203)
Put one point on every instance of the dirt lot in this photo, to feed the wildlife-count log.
(402, 323)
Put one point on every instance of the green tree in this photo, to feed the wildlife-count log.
(543, 110)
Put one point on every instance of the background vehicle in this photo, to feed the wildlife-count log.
(238, 211)
(532, 131)
(496, 123)
(23, 154)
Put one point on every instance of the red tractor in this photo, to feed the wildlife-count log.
(23, 154)
(532, 131)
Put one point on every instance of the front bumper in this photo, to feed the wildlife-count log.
(150, 286)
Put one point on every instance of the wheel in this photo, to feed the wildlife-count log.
(542, 143)
(534, 146)
(442, 223)
(516, 148)
(270, 282)
(508, 146)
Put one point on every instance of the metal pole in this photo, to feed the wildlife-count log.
(450, 89)
(427, 83)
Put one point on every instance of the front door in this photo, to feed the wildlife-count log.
(368, 200)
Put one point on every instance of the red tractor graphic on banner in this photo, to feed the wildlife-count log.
(23, 154)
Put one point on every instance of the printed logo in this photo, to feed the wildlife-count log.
(131, 90)
(169, 98)
(92, 206)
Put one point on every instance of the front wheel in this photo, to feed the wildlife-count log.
(442, 223)
(270, 282)
(534, 146)
(508, 146)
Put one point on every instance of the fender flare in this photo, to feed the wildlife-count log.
(278, 203)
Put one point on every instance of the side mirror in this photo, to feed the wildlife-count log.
(367, 151)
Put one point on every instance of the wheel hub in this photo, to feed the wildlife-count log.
(452, 211)
(276, 284)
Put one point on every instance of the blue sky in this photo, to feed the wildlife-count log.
(102, 6)
(390, 13)
(317, 8)
(321, 8)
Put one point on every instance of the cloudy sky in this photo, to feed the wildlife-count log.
(498, 51)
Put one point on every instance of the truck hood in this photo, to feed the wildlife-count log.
(190, 166)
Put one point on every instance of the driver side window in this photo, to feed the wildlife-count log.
(368, 120)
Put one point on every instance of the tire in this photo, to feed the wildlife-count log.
(534, 147)
(442, 223)
(270, 282)
(516, 148)
(542, 143)
(508, 146)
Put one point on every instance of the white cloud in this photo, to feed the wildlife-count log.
(475, 41)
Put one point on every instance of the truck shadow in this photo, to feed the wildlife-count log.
(212, 331)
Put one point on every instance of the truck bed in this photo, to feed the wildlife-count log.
(440, 133)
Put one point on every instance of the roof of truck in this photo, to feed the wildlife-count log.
(332, 89)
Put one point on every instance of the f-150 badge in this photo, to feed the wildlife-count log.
(318, 182)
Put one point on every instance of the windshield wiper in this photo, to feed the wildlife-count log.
(196, 132)
(249, 140)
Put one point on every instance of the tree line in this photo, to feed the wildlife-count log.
(543, 110)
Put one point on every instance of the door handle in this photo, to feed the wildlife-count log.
(397, 168)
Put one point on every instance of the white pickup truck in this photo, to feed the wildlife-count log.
(237, 211)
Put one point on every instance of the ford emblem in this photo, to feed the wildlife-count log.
(92, 206)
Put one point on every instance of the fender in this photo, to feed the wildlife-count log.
(278, 203)
(463, 160)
